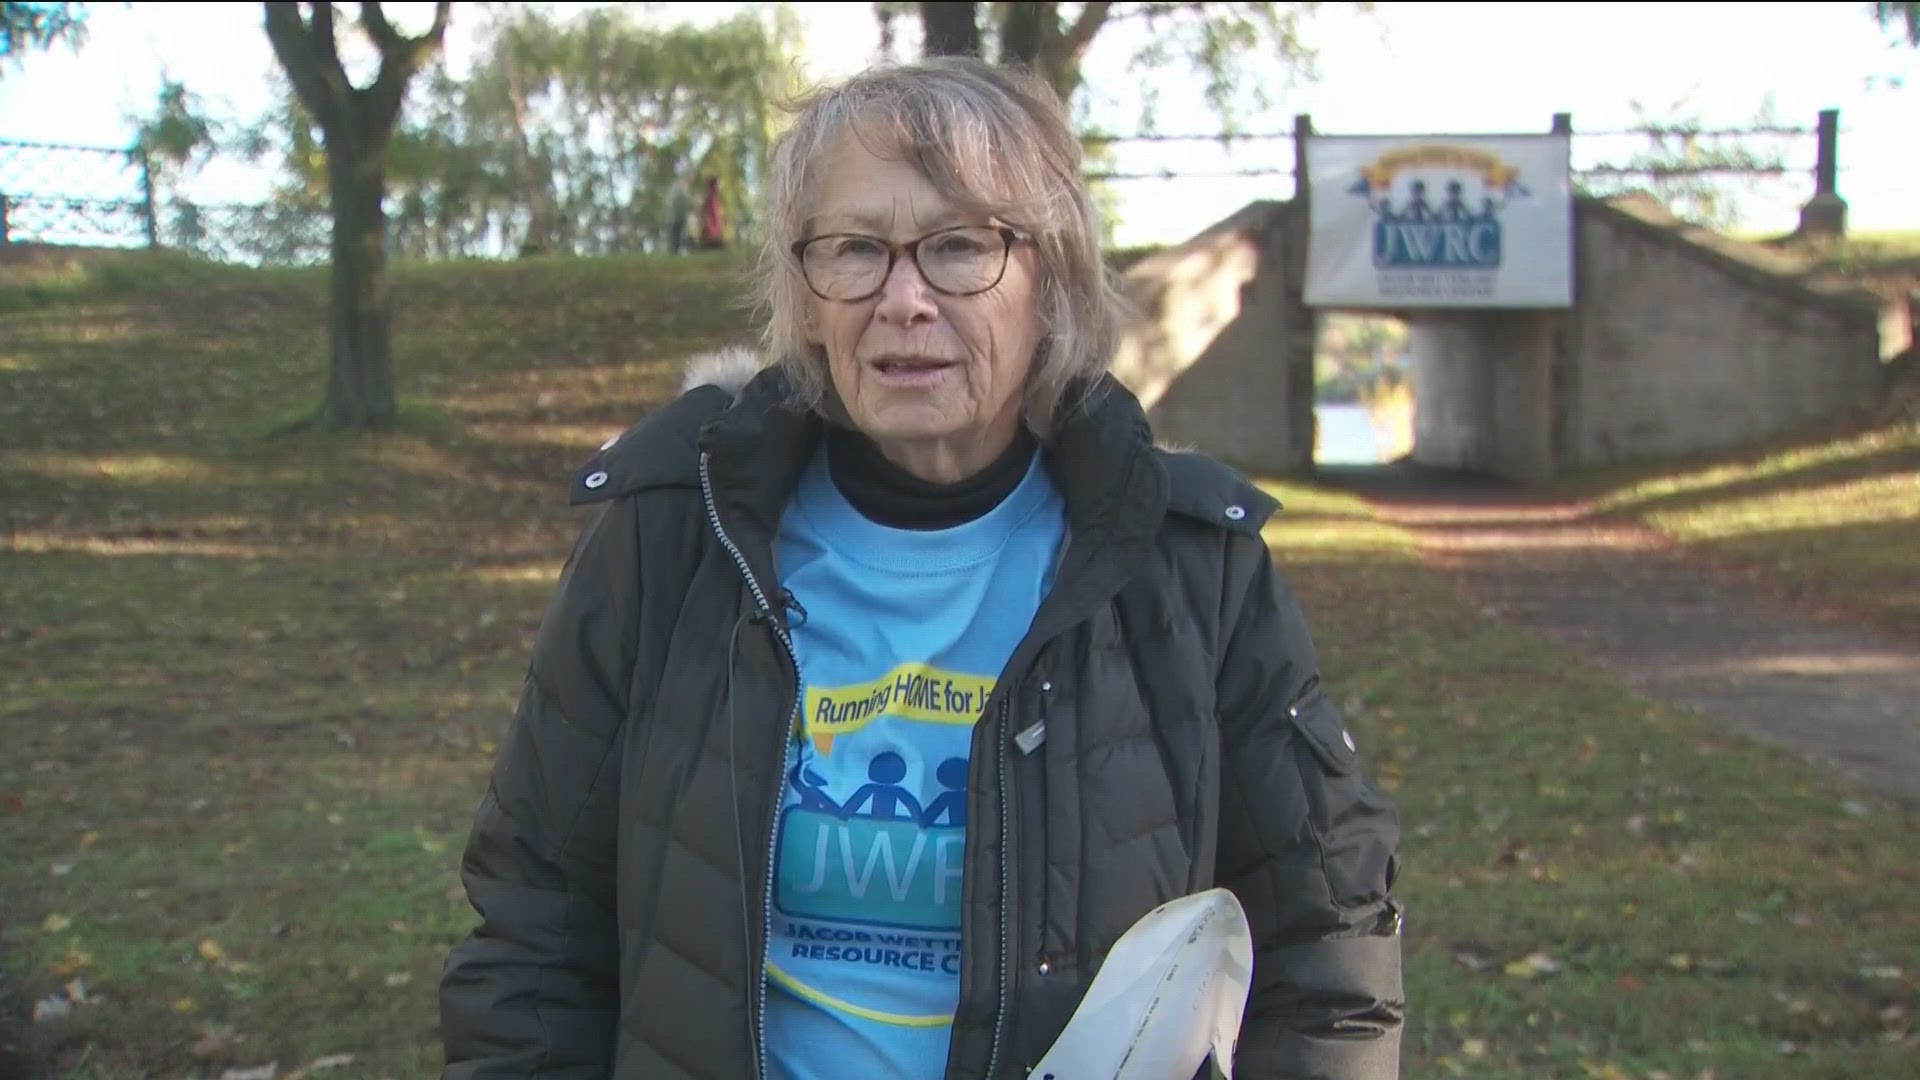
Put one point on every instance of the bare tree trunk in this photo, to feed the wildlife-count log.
(1023, 34)
(951, 29)
(541, 234)
(355, 123)
(360, 378)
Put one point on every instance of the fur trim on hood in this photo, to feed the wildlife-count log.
(730, 368)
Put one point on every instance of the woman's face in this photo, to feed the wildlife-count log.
(937, 381)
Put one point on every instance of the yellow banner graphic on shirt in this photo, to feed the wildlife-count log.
(911, 691)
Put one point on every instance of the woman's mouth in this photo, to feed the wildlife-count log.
(904, 371)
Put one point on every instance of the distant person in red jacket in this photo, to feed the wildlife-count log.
(713, 231)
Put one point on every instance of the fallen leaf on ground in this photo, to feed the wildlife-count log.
(1533, 966)
(261, 1072)
(399, 978)
(74, 961)
(1472, 957)
(1630, 984)
(184, 1005)
(90, 839)
(213, 1040)
(52, 1008)
(62, 869)
(56, 923)
(211, 952)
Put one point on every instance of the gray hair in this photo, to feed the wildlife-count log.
(992, 141)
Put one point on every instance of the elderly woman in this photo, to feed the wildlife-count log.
(888, 687)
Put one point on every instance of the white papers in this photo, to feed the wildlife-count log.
(1171, 991)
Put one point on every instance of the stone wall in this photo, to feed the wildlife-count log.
(1220, 349)
(1681, 342)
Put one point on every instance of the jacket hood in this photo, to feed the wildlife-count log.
(729, 369)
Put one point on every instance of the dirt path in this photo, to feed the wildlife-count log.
(1843, 696)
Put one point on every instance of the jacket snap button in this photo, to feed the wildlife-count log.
(595, 480)
(1235, 513)
(1046, 966)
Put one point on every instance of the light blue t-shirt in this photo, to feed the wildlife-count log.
(905, 634)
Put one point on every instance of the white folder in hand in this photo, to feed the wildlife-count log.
(1171, 991)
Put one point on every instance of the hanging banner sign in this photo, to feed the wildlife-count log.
(1455, 222)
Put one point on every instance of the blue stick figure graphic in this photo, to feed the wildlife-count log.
(1417, 207)
(885, 794)
(812, 788)
(953, 802)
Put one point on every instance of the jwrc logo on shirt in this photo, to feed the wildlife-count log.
(881, 858)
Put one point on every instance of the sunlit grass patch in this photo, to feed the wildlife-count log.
(1834, 522)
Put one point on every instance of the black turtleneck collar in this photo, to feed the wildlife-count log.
(891, 496)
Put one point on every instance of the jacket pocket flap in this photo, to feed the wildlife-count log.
(1324, 730)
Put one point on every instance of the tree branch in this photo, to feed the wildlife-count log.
(1073, 44)
(401, 57)
(307, 54)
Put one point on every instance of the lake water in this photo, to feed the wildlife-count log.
(1346, 435)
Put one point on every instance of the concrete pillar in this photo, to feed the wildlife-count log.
(1452, 390)
(1483, 392)
(1521, 356)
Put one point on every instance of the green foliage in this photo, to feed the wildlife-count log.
(1232, 46)
(1904, 13)
(588, 136)
(178, 136)
(1356, 354)
(580, 136)
(26, 27)
(1688, 168)
(1229, 45)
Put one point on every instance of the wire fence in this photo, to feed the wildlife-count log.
(105, 197)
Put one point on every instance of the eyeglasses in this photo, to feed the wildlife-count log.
(959, 261)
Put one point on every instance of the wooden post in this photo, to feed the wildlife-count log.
(1825, 215)
(1563, 123)
(1826, 170)
(5, 206)
(146, 200)
(1302, 130)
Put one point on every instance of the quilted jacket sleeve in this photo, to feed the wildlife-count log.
(533, 990)
(1309, 846)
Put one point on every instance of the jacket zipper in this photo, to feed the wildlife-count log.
(1006, 888)
(759, 976)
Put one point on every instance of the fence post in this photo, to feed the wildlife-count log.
(146, 200)
(6, 205)
(1302, 130)
(1825, 215)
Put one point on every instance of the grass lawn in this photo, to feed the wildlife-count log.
(1833, 523)
(252, 687)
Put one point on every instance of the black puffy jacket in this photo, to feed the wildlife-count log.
(619, 859)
